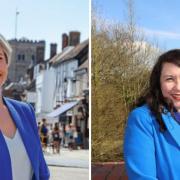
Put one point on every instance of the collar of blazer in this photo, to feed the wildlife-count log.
(172, 126)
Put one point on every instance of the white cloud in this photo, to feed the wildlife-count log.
(161, 33)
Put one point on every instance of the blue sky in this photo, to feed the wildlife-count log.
(159, 19)
(44, 19)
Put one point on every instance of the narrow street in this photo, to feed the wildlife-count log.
(68, 164)
(68, 173)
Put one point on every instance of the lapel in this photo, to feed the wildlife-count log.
(172, 126)
(5, 161)
(27, 134)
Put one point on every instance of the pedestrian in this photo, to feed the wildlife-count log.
(70, 138)
(56, 138)
(50, 137)
(39, 126)
(44, 134)
(75, 136)
(21, 155)
(79, 139)
(67, 135)
(152, 135)
(62, 135)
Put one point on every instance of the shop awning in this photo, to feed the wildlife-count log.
(65, 107)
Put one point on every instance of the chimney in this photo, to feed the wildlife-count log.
(74, 38)
(64, 40)
(40, 52)
(53, 49)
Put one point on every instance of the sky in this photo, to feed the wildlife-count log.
(159, 19)
(44, 19)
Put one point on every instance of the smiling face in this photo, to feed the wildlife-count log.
(170, 83)
(3, 67)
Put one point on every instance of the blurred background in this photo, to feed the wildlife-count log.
(50, 70)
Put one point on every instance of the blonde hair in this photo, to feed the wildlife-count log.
(6, 48)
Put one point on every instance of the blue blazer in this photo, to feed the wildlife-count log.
(24, 119)
(148, 153)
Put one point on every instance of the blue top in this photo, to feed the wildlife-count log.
(177, 116)
(24, 119)
(148, 153)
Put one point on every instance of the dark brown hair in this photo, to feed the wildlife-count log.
(153, 96)
(56, 127)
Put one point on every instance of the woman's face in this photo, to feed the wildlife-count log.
(3, 67)
(170, 83)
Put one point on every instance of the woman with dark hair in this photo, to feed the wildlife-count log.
(152, 135)
(56, 138)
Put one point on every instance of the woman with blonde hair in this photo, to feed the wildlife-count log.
(21, 155)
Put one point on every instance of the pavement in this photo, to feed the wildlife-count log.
(68, 173)
(66, 158)
(108, 171)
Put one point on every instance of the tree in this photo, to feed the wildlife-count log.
(121, 61)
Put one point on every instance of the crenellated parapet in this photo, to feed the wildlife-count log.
(25, 40)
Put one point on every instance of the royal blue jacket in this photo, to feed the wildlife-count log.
(148, 153)
(24, 119)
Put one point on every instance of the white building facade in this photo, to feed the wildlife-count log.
(45, 84)
(65, 81)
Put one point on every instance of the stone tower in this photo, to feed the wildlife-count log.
(25, 53)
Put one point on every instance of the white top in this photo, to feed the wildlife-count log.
(21, 165)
